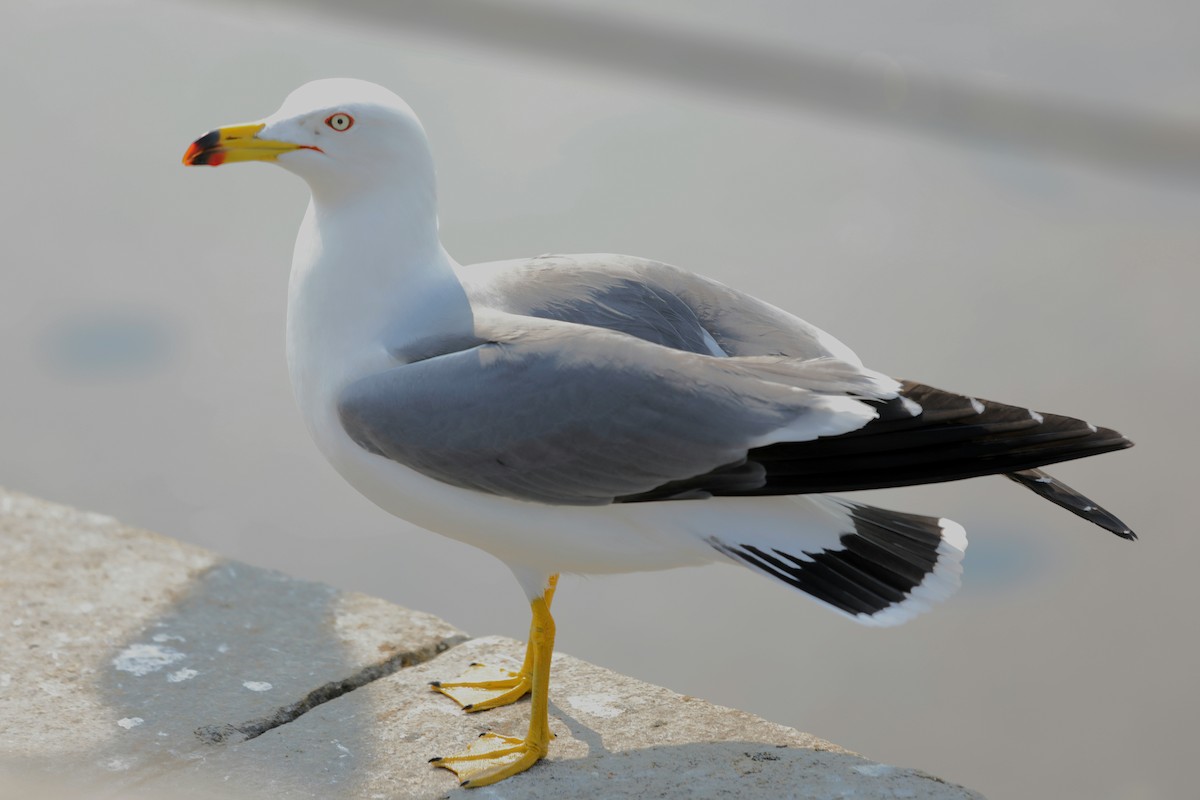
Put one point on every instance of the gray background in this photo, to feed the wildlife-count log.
(142, 305)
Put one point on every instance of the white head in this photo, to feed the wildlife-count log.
(345, 137)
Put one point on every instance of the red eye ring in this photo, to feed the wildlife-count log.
(340, 121)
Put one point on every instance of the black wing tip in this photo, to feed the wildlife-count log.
(1114, 439)
(1050, 488)
(1111, 524)
(1120, 529)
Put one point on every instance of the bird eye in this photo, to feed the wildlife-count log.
(340, 121)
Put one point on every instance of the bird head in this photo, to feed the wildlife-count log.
(337, 134)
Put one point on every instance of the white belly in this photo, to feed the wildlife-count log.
(580, 539)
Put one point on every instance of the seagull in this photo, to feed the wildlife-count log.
(604, 413)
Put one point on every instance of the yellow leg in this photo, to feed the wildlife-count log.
(493, 757)
(482, 687)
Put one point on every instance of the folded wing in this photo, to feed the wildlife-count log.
(563, 413)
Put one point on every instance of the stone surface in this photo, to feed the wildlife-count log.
(616, 738)
(136, 666)
(128, 655)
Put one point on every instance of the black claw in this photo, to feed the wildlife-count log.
(485, 733)
(468, 706)
(475, 664)
(464, 784)
(435, 759)
(436, 684)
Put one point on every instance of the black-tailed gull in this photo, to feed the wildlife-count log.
(603, 413)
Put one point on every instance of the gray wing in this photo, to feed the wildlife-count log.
(651, 300)
(567, 414)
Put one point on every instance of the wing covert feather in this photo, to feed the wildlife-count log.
(649, 299)
(567, 414)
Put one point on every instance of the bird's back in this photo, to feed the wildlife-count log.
(648, 299)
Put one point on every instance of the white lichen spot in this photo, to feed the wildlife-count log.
(222, 649)
(599, 704)
(345, 751)
(167, 637)
(180, 675)
(257, 686)
(142, 659)
(16, 623)
(118, 764)
(874, 770)
(5, 680)
(130, 722)
(85, 608)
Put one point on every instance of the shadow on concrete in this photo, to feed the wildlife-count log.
(243, 651)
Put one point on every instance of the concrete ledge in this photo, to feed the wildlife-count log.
(132, 665)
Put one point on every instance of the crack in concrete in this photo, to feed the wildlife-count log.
(232, 734)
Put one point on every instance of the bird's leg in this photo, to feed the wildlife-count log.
(481, 687)
(493, 757)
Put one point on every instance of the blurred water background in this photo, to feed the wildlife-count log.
(997, 197)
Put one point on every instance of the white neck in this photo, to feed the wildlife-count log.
(368, 276)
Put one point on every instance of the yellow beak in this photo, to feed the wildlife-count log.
(237, 143)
